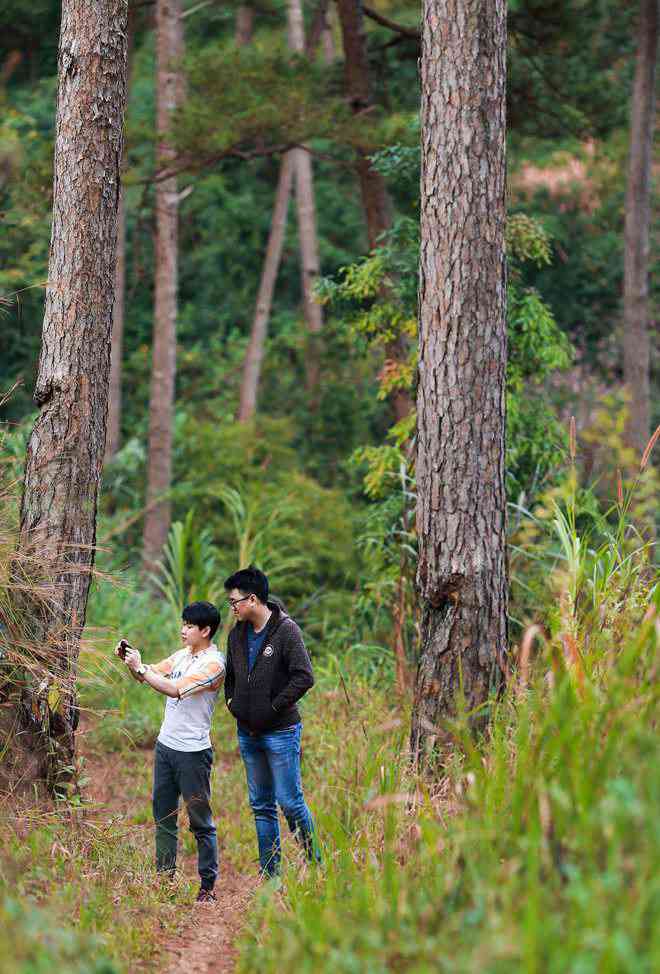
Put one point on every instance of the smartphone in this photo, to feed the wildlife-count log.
(124, 646)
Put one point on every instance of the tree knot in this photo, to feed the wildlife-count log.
(447, 593)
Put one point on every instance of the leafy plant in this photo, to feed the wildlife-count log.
(189, 570)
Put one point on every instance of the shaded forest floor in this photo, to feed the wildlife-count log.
(206, 935)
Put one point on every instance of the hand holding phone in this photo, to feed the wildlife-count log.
(122, 648)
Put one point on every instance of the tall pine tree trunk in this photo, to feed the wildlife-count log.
(169, 48)
(306, 210)
(375, 198)
(66, 446)
(461, 395)
(636, 339)
(113, 435)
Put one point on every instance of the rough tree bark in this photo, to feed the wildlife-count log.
(306, 211)
(66, 446)
(375, 198)
(636, 338)
(113, 434)
(169, 48)
(461, 395)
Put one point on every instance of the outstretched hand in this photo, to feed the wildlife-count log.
(133, 659)
(127, 654)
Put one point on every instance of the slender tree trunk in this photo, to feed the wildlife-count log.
(244, 25)
(461, 402)
(169, 48)
(255, 352)
(636, 339)
(375, 198)
(66, 446)
(327, 39)
(113, 435)
(306, 210)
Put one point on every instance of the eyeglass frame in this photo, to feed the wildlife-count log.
(234, 602)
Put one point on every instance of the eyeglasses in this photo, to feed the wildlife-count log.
(234, 602)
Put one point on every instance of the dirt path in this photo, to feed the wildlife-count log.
(208, 944)
(207, 941)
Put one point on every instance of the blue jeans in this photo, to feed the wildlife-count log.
(187, 775)
(272, 766)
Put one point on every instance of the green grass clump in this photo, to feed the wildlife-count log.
(537, 851)
(89, 877)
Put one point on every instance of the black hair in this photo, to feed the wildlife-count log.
(202, 614)
(249, 581)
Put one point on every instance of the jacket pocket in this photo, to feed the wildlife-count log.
(237, 708)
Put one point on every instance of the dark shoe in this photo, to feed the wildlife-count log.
(206, 896)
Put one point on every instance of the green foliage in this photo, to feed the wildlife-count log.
(371, 296)
(586, 568)
(568, 64)
(34, 942)
(188, 571)
(263, 95)
(78, 895)
(532, 852)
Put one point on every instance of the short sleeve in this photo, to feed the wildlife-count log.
(206, 676)
(165, 667)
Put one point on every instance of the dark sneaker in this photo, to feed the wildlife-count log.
(206, 896)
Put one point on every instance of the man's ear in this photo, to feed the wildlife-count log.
(206, 632)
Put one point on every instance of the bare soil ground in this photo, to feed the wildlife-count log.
(207, 945)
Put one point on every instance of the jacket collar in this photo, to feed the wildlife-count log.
(277, 617)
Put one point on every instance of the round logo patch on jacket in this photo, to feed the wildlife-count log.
(268, 651)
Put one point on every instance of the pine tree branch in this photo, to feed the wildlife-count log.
(410, 32)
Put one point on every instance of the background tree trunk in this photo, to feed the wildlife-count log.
(375, 198)
(65, 450)
(244, 25)
(461, 402)
(636, 339)
(306, 210)
(255, 351)
(169, 48)
(327, 37)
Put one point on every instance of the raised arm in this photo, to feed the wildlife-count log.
(156, 675)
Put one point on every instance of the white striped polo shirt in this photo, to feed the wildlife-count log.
(198, 677)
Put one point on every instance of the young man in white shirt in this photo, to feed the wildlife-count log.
(190, 679)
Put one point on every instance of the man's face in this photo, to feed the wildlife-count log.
(242, 605)
(192, 636)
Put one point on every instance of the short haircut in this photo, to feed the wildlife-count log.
(249, 581)
(202, 614)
